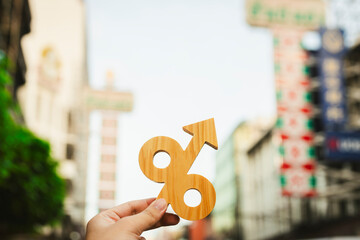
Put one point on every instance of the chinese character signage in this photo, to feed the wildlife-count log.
(304, 14)
(332, 79)
(342, 145)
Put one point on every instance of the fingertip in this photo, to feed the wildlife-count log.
(160, 204)
(149, 218)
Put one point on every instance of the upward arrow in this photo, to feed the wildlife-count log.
(202, 132)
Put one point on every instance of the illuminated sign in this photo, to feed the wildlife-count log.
(304, 14)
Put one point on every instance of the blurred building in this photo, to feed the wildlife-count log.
(15, 17)
(338, 155)
(334, 210)
(102, 108)
(247, 185)
(249, 203)
(339, 161)
(55, 52)
(81, 123)
(225, 214)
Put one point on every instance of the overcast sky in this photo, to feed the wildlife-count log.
(185, 61)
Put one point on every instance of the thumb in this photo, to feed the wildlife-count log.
(149, 218)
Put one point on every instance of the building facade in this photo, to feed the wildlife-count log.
(250, 204)
(102, 109)
(59, 105)
(247, 184)
(55, 52)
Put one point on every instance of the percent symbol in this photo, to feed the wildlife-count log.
(175, 175)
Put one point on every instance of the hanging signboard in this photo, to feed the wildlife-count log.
(342, 145)
(332, 79)
(108, 100)
(288, 21)
(294, 124)
(304, 14)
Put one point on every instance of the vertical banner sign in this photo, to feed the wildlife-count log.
(288, 19)
(332, 79)
(294, 124)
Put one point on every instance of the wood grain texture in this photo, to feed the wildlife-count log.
(175, 175)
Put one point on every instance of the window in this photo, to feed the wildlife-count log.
(107, 194)
(70, 123)
(69, 186)
(70, 151)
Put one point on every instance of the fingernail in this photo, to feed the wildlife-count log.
(160, 204)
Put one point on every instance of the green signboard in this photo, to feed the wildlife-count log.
(296, 14)
(108, 100)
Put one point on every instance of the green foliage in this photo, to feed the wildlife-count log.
(31, 192)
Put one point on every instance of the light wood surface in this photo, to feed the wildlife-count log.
(175, 175)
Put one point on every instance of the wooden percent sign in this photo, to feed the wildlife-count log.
(175, 175)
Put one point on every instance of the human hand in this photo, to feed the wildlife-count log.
(129, 220)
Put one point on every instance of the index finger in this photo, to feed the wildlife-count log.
(127, 209)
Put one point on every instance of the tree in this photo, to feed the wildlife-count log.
(31, 191)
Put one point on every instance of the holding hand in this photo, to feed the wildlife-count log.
(129, 220)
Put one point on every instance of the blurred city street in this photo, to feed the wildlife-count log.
(84, 84)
